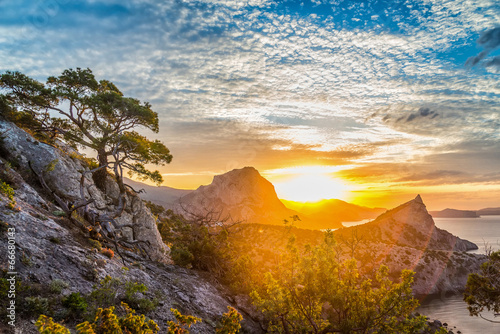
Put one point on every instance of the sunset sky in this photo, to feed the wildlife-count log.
(370, 102)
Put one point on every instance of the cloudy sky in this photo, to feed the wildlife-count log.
(390, 98)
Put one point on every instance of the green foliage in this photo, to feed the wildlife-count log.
(107, 322)
(46, 325)
(57, 286)
(482, 291)
(4, 227)
(98, 117)
(76, 304)
(230, 322)
(51, 166)
(182, 321)
(156, 209)
(199, 242)
(55, 240)
(145, 305)
(95, 244)
(36, 305)
(104, 294)
(8, 191)
(313, 292)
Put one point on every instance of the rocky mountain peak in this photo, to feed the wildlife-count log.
(411, 224)
(418, 199)
(242, 194)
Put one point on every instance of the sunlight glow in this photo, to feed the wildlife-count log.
(310, 184)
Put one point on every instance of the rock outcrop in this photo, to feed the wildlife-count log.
(406, 237)
(49, 247)
(62, 169)
(241, 194)
(411, 225)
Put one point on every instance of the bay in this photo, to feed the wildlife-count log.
(452, 309)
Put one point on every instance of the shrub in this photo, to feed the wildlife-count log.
(75, 303)
(104, 294)
(55, 240)
(144, 305)
(108, 252)
(8, 191)
(182, 321)
(46, 325)
(37, 305)
(230, 322)
(107, 322)
(57, 286)
(95, 244)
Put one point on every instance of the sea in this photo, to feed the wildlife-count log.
(451, 309)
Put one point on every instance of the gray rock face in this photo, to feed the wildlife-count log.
(62, 170)
(242, 194)
(49, 247)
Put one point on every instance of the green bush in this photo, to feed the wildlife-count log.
(75, 304)
(230, 322)
(57, 286)
(144, 305)
(8, 191)
(37, 305)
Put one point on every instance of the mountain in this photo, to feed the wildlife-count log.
(241, 194)
(333, 210)
(165, 196)
(489, 212)
(402, 238)
(411, 225)
(452, 213)
(406, 237)
(245, 195)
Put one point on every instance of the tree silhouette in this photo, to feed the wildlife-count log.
(92, 114)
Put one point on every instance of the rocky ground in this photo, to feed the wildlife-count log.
(50, 247)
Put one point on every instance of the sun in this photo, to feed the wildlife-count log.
(310, 184)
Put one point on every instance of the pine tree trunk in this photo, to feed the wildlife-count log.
(99, 176)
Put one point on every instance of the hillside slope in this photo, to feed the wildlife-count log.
(51, 250)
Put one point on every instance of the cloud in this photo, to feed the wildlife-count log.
(489, 40)
(275, 83)
(423, 112)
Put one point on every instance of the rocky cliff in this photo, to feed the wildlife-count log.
(51, 248)
(406, 237)
(241, 194)
(62, 169)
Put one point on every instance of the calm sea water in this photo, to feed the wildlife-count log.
(452, 309)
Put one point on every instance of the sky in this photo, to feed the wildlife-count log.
(368, 101)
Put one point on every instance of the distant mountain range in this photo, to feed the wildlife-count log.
(164, 196)
(333, 210)
(244, 195)
(489, 212)
(453, 213)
